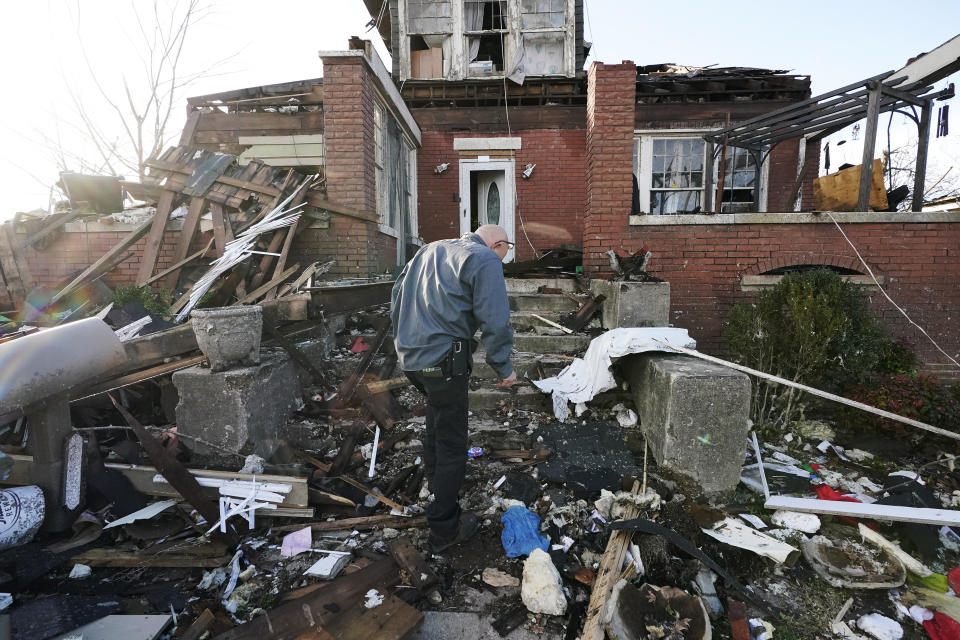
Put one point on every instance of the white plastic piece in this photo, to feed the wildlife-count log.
(149, 511)
(805, 522)
(737, 534)
(880, 627)
(373, 453)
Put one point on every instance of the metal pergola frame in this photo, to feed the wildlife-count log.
(822, 115)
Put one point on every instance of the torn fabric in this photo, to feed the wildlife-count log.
(584, 378)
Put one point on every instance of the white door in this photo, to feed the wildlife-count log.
(491, 192)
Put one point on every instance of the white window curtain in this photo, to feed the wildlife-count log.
(473, 21)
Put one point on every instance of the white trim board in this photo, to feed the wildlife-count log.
(918, 515)
(486, 144)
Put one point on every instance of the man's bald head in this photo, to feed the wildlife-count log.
(491, 234)
(496, 238)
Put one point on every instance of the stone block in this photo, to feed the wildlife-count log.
(694, 415)
(245, 404)
(633, 304)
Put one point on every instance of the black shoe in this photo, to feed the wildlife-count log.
(468, 525)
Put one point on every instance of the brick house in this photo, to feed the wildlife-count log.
(614, 158)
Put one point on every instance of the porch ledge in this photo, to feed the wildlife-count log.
(759, 283)
(794, 218)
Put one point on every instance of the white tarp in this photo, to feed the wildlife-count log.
(584, 378)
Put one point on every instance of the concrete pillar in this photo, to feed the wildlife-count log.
(695, 416)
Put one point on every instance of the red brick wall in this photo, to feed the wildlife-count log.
(704, 263)
(610, 119)
(550, 203)
(359, 248)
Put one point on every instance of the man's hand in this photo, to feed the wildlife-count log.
(507, 382)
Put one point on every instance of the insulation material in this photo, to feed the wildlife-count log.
(585, 377)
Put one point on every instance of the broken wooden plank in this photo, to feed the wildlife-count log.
(200, 626)
(178, 265)
(296, 355)
(585, 314)
(106, 258)
(53, 223)
(221, 234)
(308, 616)
(151, 249)
(552, 323)
(359, 524)
(413, 563)
(185, 555)
(608, 574)
(134, 378)
(190, 223)
(392, 619)
(261, 290)
(325, 497)
(380, 386)
(370, 492)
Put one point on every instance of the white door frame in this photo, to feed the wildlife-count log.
(508, 213)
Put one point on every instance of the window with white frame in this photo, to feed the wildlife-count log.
(380, 143)
(487, 38)
(677, 173)
(670, 173)
(411, 229)
(739, 182)
(395, 161)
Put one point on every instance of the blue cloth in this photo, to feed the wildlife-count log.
(521, 532)
(449, 290)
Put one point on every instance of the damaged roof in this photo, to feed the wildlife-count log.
(671, 82)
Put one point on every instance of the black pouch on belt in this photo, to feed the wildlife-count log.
(460, 358)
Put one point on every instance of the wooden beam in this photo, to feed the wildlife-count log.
(151, 250)
(190, 224)
(923, 145)
(140, 376)
(106, 258)
(222, 231)
(260, 291)
(608, 574)
(177, 266)
(379, 386)
(869, 142)
(56, 221)
(359, 524)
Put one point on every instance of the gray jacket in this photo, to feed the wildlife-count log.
(448, 290)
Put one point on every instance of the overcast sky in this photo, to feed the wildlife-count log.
(247, 43)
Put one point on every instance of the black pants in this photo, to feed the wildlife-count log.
(445, 446)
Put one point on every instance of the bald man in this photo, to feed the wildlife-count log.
(445, 294)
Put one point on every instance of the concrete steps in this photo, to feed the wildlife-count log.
(525, 365)
(525, 320)
(537, 302)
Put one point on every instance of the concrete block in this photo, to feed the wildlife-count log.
(633, 304)
(246, 404)
(694, 415)
(532, 285)
(537, 302)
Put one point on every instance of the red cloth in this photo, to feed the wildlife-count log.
(953, 580)
(942, 626)
(825, 492)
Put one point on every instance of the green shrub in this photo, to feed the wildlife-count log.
(156, 301)
(910, 395)
(813, 328)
